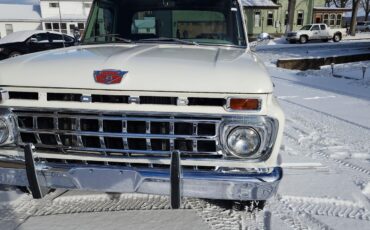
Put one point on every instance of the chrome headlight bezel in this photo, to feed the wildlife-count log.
(7, 117)
(266, 127)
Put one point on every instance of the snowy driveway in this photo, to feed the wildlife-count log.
(326, 157)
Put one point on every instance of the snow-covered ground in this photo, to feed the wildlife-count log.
(326, 160)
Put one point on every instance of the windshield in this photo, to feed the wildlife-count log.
(203, 22)
(306, 27)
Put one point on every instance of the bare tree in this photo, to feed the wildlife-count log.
(355, 5)
(365, 4)
(291, 10)
(340, 3)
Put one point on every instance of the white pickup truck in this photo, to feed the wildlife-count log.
(162, 97)
(316, 32)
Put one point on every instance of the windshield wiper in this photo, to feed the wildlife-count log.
(165, 39)
(115, 36)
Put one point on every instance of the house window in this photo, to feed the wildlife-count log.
(81, 26)
(54, 4)
(56, 27)
(270, 18)
(326, 19)
(8, 29)
(64, 27)
(257, 19)
(48, 27)
(300, 18)
(286, 18)
(332, 19)
(339, 19)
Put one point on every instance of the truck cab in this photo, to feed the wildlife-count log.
(161, 97)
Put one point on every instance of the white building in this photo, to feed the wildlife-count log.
(65, 15)
(14, 17)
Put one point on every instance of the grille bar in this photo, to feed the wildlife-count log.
(126, 134)
(118, 118)
(94, 151)
(107, 134)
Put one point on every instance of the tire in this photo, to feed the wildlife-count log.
(249, 206)
(337, 37)
(14, 54)
(303, 39)
(367, 29)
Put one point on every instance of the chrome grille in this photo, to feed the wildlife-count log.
(129, 135)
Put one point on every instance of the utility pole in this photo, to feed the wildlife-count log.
(291, 12)
(60, 25)
(355, 5)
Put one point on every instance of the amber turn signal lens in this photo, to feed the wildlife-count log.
(244, 104)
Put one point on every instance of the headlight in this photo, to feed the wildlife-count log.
(248, 137)
(7, 128)
(4, 131)
(243, 141)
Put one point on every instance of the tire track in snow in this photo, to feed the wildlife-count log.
(327, 114)
(311, 136)
(327, 207)
(319, 143)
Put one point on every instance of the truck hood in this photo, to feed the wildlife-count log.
(151, 67)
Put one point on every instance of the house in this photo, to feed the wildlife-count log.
(16, 17)
(65, 16)
(271, 16)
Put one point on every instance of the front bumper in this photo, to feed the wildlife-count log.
(103, 178)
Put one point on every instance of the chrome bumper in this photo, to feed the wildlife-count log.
(200, 184)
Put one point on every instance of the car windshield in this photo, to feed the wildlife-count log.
(193, 22)
(306, 27)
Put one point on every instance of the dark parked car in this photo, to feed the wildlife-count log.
(24, 42)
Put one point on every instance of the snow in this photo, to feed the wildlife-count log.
(325, 156)
(138, 220)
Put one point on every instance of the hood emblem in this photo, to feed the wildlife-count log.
(109, 77)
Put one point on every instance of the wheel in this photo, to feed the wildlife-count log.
(337, 37)
(303, 39)
(367, 29)
(14, 54)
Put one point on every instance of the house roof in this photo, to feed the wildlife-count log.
(330, 9)
(19, 12)
(259, 4)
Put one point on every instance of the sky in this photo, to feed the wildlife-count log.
(21, 1)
